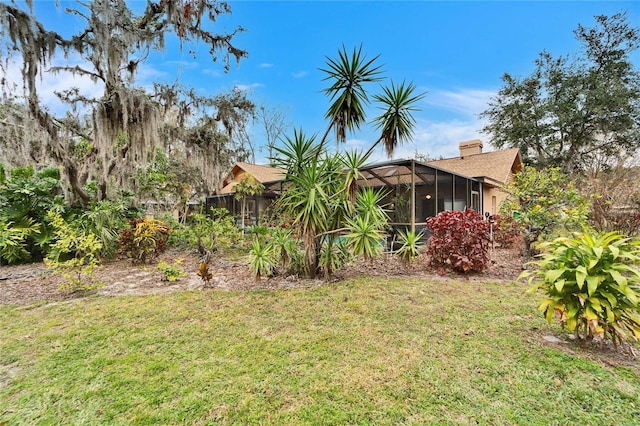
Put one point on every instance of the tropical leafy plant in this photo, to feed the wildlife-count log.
(25, 198)
(506, 231)
(74, 254)
(410, 244)
(396, 122)
(146, 238)
(204, 273)
(215, 231)
(171, 272)
(262, 259)
(106, 219)
(543, 202)
(13, 247)
(285, 248)
(348, 74)
(334, 254)
(365, 236)
(591, 283)
(459, 240)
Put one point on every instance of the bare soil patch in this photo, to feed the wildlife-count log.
(29, 283)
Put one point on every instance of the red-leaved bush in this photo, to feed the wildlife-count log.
(506, 231)
(459, 240)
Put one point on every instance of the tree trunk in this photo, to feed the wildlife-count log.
(310, 254)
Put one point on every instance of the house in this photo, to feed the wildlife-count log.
(414, 190)
(256, 205)
(493, 169)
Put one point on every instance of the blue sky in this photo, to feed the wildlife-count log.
(455, 51)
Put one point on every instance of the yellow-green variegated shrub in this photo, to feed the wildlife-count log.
(591, 283)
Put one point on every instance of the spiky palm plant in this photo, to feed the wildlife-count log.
(396, 123)
(261, 258)
(410, 245)
(307, 198)
(348, 74)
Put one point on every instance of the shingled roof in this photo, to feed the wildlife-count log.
(496, 166)
(263, 174)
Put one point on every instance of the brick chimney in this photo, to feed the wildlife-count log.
(471, 147)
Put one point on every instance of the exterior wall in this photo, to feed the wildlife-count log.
(493, 196)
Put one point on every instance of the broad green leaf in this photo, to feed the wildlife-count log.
(544, 304)
(611, 298)
(549, 314)
(592, 284)
(589, 314)
(595, 302)
(581, 275)
(615, 251)
(552, 275)
(571, 323)
(598, 252)
(559, 285)
(618, 277)
(611, 318)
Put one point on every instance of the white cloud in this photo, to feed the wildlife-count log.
(265, 65)
(247, 87)
(468, 102)
(212, 72)
(299, 74)
(56, 82)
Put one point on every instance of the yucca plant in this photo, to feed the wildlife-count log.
(591, 284)
(365, 236)
(285, 247)
(411, 244)
(334, 255)
(261, 258)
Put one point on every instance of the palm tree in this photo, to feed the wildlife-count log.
(348, 74)
(396, 122)
(308, 195)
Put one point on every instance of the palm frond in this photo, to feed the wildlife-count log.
(396, 123)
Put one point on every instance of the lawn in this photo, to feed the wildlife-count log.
(362, 351)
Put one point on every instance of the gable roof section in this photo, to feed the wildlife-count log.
(496, 166)
(263, 174)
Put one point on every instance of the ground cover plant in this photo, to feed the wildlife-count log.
(592, 284)
(364, 351)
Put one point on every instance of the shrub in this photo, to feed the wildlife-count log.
(506, 231)
(285, 247)
(334, 254)
(365, 236)
(171, 272)
(261, 258)
(25, 198)
(74, 255)
(13, 244)
(410, 245)
(145, 239)
(204, 273)
(106, 219)
(214, 233)
(459, 240)
(591, 284)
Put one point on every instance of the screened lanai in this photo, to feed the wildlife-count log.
(416, 191)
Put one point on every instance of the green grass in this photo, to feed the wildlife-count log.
(367, 351)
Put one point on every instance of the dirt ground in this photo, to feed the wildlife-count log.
(31, 283)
